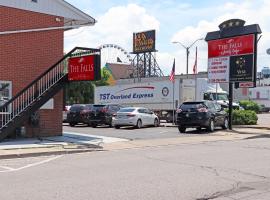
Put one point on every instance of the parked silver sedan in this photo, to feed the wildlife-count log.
(135, 116)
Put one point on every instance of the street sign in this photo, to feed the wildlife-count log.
(231, 59)
(246, 85)
(84, 68)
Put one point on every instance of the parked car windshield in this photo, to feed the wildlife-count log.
(76, 108)
(126, 110)
(192, 105)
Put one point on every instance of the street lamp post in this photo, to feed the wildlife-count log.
(187, 48)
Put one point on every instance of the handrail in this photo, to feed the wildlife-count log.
(35, 80)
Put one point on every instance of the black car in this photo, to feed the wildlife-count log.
(74, 115)
(101, 114)
(201, 114)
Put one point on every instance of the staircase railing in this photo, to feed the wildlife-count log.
(34, 91)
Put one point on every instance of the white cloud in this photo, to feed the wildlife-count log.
(114, 27)
(117, 25)
(252, 12)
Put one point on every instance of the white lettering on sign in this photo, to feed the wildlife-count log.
(246, 85)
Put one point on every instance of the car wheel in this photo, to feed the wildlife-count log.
(199, 129)
(225, 124)
(181, 129)
(72, 124)
(94, 125)
(139, 124)
(211, 126)
(117, 127)
(156, 123)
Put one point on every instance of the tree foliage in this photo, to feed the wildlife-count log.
(250, 105)
(79, 92)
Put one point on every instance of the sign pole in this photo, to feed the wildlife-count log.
(230, 104)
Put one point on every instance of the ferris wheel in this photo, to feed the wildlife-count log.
(112, 53)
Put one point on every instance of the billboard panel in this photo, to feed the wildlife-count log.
(144, 41)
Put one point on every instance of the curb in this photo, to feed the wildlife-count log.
(253, 127)
(46, 153)
(234, 126)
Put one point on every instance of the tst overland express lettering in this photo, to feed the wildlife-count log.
(108, 96)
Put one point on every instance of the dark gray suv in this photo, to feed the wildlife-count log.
(201, 114)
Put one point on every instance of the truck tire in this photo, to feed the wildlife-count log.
(182, 129)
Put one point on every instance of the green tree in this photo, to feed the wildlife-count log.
(79, 92)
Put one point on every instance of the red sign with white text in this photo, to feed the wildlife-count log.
(81, 68)
(239, 45)
(246, 85)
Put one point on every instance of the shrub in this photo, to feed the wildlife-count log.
(244, 117)
(250, 105)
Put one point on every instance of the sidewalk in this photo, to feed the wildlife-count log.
(65, 144)
(78, 143)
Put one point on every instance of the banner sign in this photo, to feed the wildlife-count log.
(231, 59)
(218, 69)
(144, 41)
(84, 68)
(231, 46)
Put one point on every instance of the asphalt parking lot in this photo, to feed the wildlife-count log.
(135, 134)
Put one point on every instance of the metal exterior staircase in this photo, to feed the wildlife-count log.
(18, 109)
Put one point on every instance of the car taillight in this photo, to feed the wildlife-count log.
(202, 110)
(131, 115)
(178, 110)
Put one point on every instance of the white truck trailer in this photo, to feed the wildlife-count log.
(158, 95)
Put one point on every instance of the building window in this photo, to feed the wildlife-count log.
(5, 91)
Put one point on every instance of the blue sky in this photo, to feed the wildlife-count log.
(174, 20)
